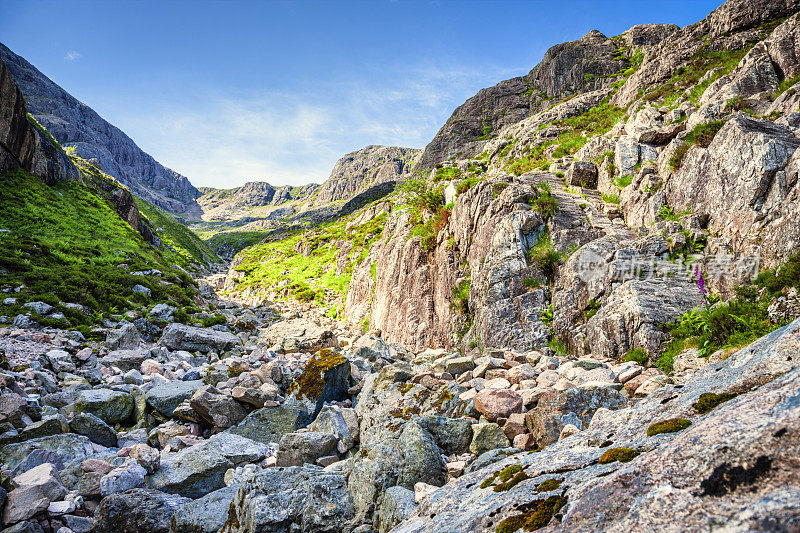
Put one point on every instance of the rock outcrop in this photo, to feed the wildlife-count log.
(359, 170)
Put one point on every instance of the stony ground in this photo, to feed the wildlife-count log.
(285, 420)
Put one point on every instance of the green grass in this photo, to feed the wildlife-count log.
(446, 174)
(785, 85)
(177, 236)
(637, 355)
(623, 181)
(64, 244)
(544, 256)
(611, 198)
(702, 135)
(306, 278)
(544, 202)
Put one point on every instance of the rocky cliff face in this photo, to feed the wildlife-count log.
(360, 170)
(76, 125)
(253, 199)
(591, 63)
(22, 144)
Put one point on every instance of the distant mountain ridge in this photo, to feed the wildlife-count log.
(75, 125)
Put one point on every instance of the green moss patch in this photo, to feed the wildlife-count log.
(312, 381)
(710, 400)
(535, 515)
(548, 485)
(673, 425)
(621, 455)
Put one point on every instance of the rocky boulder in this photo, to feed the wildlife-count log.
(137, 511)
(182, 337)
(298, 334)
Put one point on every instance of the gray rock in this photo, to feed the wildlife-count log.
(137, 511)
(166, 397)
(35, 490)
(59, 450)
(307, 335)
(294, 498)
(268, 424)
(331, 420)
(61, 361)
(582, 174)
(216, 408)
(204, 515)
(200, 469)
(557, 409)
(93, 427)
(398, 504)
(297, 449)
(125, 359)
(125, 337)
(39, 307)
(50, 425)
(183, 337)
(162, 313)
(452, 435)
(487, 436)
(128, 476)
(108, 405)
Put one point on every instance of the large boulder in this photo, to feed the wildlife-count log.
(326, 378)
(557, 409)
(200, 469)
(305, 335)
(398, 504)
(297, 449)
(137, 511)
(634, 315)
(182, 337)
(204, 515)
(60, 450)
(125, 337)
(94, 428)
(498, 403)
(166, 397)
(268, 424)
(216, 408)
(125, 359)
(110, 406)
(303, 499)
(35, 490)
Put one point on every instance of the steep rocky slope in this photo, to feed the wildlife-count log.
(77, 126)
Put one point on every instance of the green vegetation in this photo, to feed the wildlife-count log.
(667, 213)
(548, 485)
(688, 76)
(673, 425)
(465, 185)
(302, 264)
(422, 196)
(175, 235)
(531, 283)
(66, 244)
(591, 309)
(544, 202)
(558, 346)
(621, 454)
(611, 198)
(535, 515)
(701, 135)
(447, 174)
(785, 85)
(637, 355)
(623, 181)
(544, 256)
(740, 103)
(461, 297)
(311, 382)
(709, 400)
(546, 316)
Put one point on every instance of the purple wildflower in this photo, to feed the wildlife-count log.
(701, 283)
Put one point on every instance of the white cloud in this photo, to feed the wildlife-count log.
(295, 138)
(72, 55)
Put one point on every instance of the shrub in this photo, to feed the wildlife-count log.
(422, 196)
(544, 202)
(623, 181)
(447, 174)
(673, 425)
(701, 135)
(461, 297)
(544, 256)
(214, 320)
(637, 355)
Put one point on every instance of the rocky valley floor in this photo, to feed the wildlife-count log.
(281, 419)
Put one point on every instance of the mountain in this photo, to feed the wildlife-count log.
(359, 170)
(76, 126)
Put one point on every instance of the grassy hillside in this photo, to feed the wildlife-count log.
(302, 264)
(176, 236)
(66, 244)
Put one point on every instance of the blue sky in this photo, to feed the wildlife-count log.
(228, 92)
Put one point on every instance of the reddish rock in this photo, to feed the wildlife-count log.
(498, 403)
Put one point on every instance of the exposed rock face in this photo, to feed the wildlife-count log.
(583, 65)
(359, 170)
(21, 144)
(75, 124)
(746, 183)
(240, 202)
